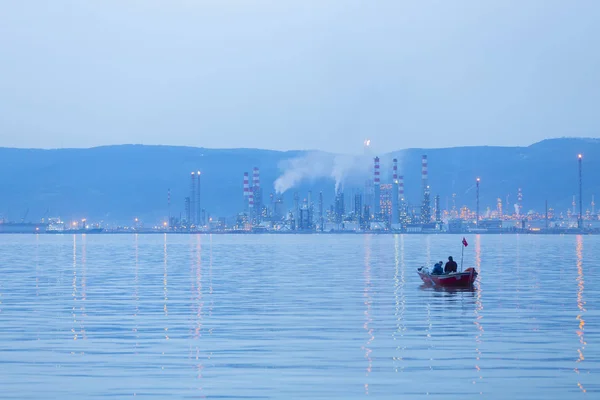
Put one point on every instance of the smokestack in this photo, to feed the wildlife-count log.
(424, 172)
(296, 210)
(256, 178)
(426, 205)
(401, 187)
(321, 220)
(198, 201)
(477, 215)
(395, 193)
(403, 209)
(546, 214)
(192, 220)
(580, 222)
(438, 212)
(169, 206)
(251, 200)
(377, 189)
(257, 193)
(246, 191)
(310, 210)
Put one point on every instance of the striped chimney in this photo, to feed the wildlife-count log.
(395, 170)
(251, 199)
(424, 171)
(246, 185)
(256, 178)
(401, 187)
(376, 172)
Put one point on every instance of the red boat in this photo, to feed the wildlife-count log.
(453, 279)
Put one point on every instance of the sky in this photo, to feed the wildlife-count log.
(309, 74)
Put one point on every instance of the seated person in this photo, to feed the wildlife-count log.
(437, 269)
(451, 266)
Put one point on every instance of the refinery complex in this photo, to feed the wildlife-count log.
(377, 207)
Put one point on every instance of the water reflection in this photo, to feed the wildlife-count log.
(428, 306)
(478, 307)
(210, 283)
(447, 289)
(367, 303)
(74, 292)
(37, 265)
(399, 300)
(37, 279)
(82, 311)
(518, 268)
(165, 290)
(136, 296)
(307, 333)
(199, 304)
(580, 306)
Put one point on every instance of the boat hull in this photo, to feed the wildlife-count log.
(461, 279)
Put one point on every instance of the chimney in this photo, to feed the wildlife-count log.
(246, 190)
(424, 171)
(401, 187)
(377, 189)
(256, 178)
(395, 193)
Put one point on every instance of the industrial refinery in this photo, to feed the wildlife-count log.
(379, 206)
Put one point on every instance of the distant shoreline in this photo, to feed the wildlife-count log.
(309, 233)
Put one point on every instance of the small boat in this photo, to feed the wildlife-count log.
(453, 279)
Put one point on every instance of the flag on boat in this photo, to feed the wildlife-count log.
(464, 242)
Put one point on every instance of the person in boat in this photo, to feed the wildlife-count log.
(437, 269)
(451, 266)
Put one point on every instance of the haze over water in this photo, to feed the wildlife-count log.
(296, 316)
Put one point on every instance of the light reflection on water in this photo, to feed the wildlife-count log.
(580, 306)
(478, 308)
(367, 302)
(322, 316)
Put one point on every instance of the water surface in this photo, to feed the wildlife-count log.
(306, 316)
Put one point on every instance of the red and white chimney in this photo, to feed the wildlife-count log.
(246, 189)
(395, 170)
(376, 172)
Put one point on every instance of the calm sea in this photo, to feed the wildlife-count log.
(307, 316)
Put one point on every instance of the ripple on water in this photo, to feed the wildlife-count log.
(308, 316)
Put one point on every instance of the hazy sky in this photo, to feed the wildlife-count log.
(298, 74)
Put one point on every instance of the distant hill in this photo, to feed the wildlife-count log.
(118, 183)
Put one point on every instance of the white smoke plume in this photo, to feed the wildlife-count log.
(343, 169)
(306, 168)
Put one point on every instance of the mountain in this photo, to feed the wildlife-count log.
(119, 183)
